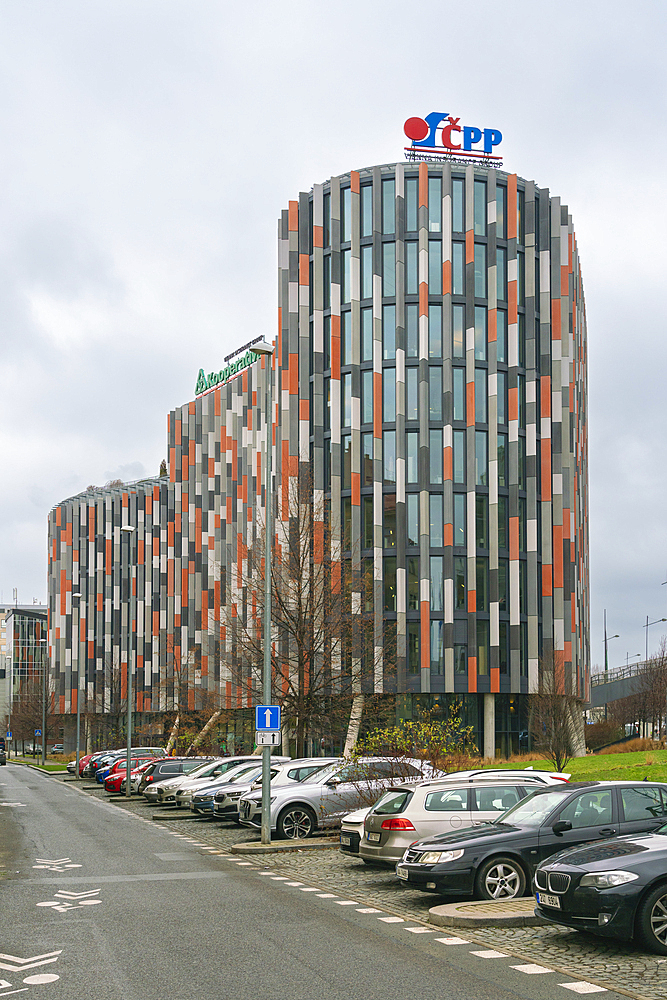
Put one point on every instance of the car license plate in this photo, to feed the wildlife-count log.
(546, 900)
(373, 838)
(346, 841)
(402, 872)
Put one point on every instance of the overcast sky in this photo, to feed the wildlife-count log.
(148, 147)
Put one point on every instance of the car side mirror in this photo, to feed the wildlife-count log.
(332, 782)
(562, 826)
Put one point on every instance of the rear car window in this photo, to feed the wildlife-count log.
(168, 768)
(496, 798)
(392, 803)
(450, 800)
(642, 803)
(190, 765)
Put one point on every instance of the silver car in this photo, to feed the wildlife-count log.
(413, 812)
(233, 785)
(321, 801)
(166, 792)
(226, 799)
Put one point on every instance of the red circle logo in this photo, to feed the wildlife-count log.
(416, 129)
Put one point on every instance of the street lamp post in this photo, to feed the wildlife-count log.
(267, 351)
(77, 597)
(647, 627)
(128, 529)
(43, 643)
(606, 655)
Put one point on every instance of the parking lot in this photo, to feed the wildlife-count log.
(624, 968)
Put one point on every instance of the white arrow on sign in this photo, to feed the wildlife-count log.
(267, 720)
(18, 964)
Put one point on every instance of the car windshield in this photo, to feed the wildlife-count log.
(392, 803)
(533, 810)
(245, 772)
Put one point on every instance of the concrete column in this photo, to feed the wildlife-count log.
(489, 749)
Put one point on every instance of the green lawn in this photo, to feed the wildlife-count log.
(606, 767)
(36, 763)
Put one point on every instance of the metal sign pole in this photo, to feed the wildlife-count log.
(266, 685)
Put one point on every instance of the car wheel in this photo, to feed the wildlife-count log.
(296, 823)
(500, 878)
(652, 920)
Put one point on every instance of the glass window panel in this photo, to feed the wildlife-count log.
(459, 519)
(459, 456)
(503, 650)
(502, 523)
(434, 267)
(412, 268)
(366, 459)
(501, 274)
(458, 205)
(326, 282)
(523, 651)
(347, 523)
(482, 586)
(521, 278)
(347, 463)
(345, 276)
(501, 336)
(327, 343)
(481, 474)
(436, 513)
(435, 456)
(460, 660)
(503, 584)
(522, 524)
(413, 648)
(437, 584)
(368, 521)
(412, 457)
(389, 520)
(413, 583)
(482, 647)
(368, 588)
(366, 334)
(412, 394)
(434, 204)
(437, 647)
(327, 404)
(501, 211)
(435, 392)
(346, 381)
(345, 215)
(502, 460)
(435, 331)
(459, 393)
(480, 270)
(521, 400)
(411, 204)
(458, 269)
(327, 220)
(388, 269)
(412, 504)
(389, 395)
(482, 520)
(346, 337)
(389, 456)
(522, 588)
(367, 397)
(460, 583)
(501, 405)
(521, 335)
(389, 332)
(390, 583)
(327, 464)
(480, 395)
(521, 463)
(480, 333)
(458, 330)
(367, 210)
(367, 272)
(388, 207)
(479, 198)
(412, 331)
(520, 217)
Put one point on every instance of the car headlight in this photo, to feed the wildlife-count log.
(605, 880)
(439, 857)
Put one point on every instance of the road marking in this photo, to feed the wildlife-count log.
(368, 909)
(452, 940)
(45, 977)
(24, 989)
(326, 895)
(583, 987)
(65, 894)
(21, 805)
(309, 888)
(279, 878)
(57, 865)
(346, 902)
(15, 964)
(295, 883)
(266, 873)
(419, 930)
(65, 901)
(392, 920)
(489, 954)
(531, 970)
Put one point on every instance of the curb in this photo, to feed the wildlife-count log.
(283, 846)
(175, 815)
(486, 913)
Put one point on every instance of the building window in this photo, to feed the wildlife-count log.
(327, 220)
(388, 207)
(482, 520)
(480, 270)
(327, 404)
(389, 395)
(327, 464)
(389, 456)
(412, 457)
(412, 330)
(479, 198)
(326, 282)
(389, 521)
(482, 647)
(366, 459)
(435, 393)
(412, 268)
(437, 646)
(458, 269)
(435, 331)
(437, 584)
(412, 505)
(346, 337)
(480, 333)
(502, 523)
(347, 524)
(367, 210)
(524, 649)
(459, 456)
(460, 583)
(501, 212)
(388, 269)
(389, 332)
(413, 648)
(366, 334)
(458, 205)
(345, 215)
(501, 398)
(460, 660)
(413, 583)
(501, 274)
(480, 395)
(459, 519)
(459, 393)
(502, 460)
(434, 204)
(434, 267)
(521, 461)
(367, 272)
(327, 343)
(390, 583)
(435, 456)
(503, 584)
(368, 522)
(481, 463)
(482, 583)
(412, 394)
(521, 400)
(346, 382)
(501, 336)
(458, 331)
(367, 397)
(347, 462)
(411, 204)
(521, 336)
(503, 652)
(437, 534)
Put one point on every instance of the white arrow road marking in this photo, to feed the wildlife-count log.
(57, 865)
(19, 964)
(64, 894)
(22, 805)
(65, 900)
(24, 989)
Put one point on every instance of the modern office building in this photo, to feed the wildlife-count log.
(429, 389)
(23, 659)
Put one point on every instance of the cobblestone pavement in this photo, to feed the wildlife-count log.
(614, 965)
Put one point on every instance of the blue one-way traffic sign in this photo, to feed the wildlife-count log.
(267, 717)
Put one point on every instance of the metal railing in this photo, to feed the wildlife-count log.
(618, 673)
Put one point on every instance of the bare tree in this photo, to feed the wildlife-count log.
(556, 713)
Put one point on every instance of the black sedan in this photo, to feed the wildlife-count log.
(618, 889)
(497, 860)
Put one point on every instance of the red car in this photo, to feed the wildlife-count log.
(116, 778)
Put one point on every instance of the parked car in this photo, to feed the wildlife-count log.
(352, 830)
(115, 780)
(286, 772)
(617, 889)
(135, 776)
(119, 758)
(230, 787)
(58, 748)
(324, 798)
(3, 757)
(106, 757)
(161, 770)
(497, 860)
(411, 812)
(205, 774)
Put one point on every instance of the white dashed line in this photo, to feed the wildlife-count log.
(418, 930)
(309, 888)
(279, 878)
(452, 940)
(346, 902)
(392, 920)
(489, 954)
(244, 864)
(326, 895)
(295, 883)
(266, 873)
(583, 987)
(368, 909)
(531, 970)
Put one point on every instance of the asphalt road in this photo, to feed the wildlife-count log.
(98, 903)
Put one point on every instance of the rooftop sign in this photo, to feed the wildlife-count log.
(206, 382)
(439, 136)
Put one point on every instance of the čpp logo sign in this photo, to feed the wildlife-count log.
(454, 138)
